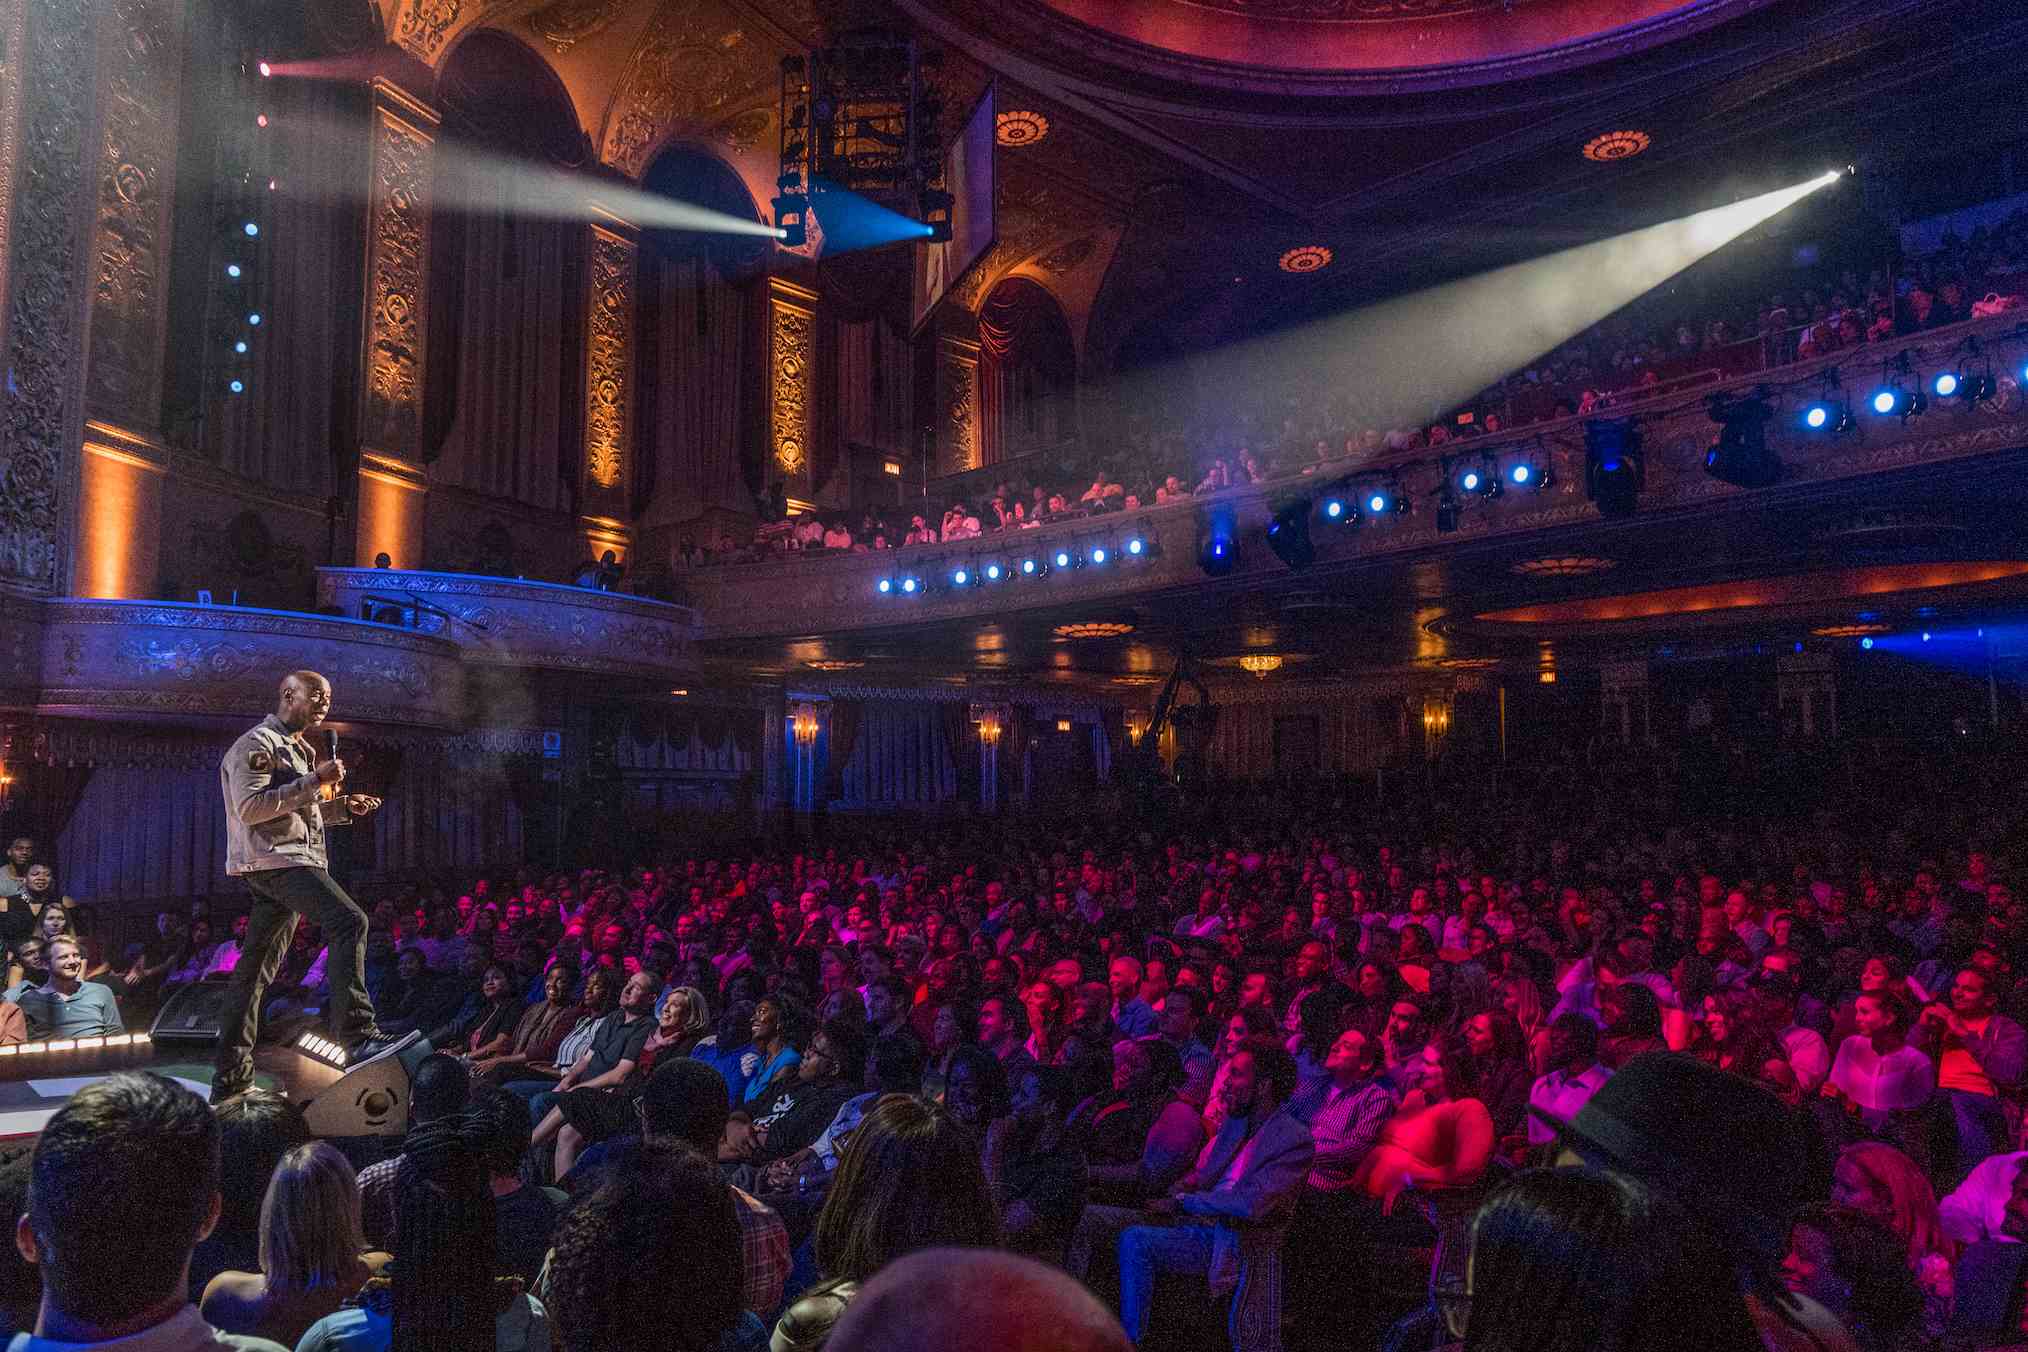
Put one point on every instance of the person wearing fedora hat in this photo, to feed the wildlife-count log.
(1686, 1130)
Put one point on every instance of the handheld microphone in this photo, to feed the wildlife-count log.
(330, 744)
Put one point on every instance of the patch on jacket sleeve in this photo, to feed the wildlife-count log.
(260, 762)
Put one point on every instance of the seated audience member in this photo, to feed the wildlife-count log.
(1980, 1055)
(1680, 1128)
(256, 1130)
(1346, 1115)
(1141, 1137)
(1130, 1013)
(1855, 1267)
(911, 1179)
(894, 1066)
(118, 1274)
(441, 1088)
(1887, 1185)
(1568, 1260)
(1877, 1077)
(1633, 1024)
(443, 1294)
(600, 1003)
(1440, 1137)
(1033, 1166)
(13, 1024)
(484, 1024)
(1241, 1027)
(662, 1210)
(1091, 1033)
(728, 1049)
(312, 1255)
(1003, 1031)
(791, 1116)
(780, 1030)
(524, 1213)
(681, 1102)
(20, 1282)
(611, 1058)
(1574, 1075)
(66, 1005)
(1499, 1062)
(1243, 1183)
(538, 1033)
(976, 1090)
(1405, 1044)
(29, 969)
(970, 1300)
(1734, 1039)
(1992, 1202)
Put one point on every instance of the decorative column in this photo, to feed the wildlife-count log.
(957, 405)
(46, 196)
(1623, 700)
(774, 794)
(393, 484)
(992, 721)
(611, 256)
(119, 510)
(1806, 693)
(792, 387)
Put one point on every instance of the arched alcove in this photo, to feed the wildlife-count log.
(504, 398)
(1027, 372)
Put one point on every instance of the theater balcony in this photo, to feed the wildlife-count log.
(166, 662)
(508, 622)
(862, 602)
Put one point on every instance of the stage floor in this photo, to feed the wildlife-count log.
(33, 1088)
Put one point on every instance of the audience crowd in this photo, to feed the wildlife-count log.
(1677, 1064)
(1248, 425)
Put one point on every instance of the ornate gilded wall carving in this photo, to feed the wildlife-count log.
(397, 270)
(609, 358)
(41, 411)
(697, 60)
(13, 31)
(792, 370)
(957, 405)
(139, 50)
(566, 23)
(425, 24)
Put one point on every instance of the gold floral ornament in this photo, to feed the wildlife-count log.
(1260, 664)
(833, 664)
(1849, 630)
(1616, 145)
(1308, 258)
(1093, 629)
(1020, 128)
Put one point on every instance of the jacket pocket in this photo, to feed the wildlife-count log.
(281, 831)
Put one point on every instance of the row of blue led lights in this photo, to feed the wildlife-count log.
(1900, 395)
(1028, 567)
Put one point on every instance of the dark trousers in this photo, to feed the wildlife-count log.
(280, 897)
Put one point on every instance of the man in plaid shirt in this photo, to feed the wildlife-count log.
(1345, 1115)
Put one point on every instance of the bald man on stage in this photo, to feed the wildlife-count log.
(277, 806)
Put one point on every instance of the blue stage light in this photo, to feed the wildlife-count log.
(1470, 480)
(1062, 559)
(1376, 503)
(1946, 384)
(237, 387)
(251, 229)
(1522, 474)
(961, 577)
(1867, 644)
(885, 586)
(240, 347)
(1886, 401)
(232, 270)
(1136, 545)
(994, 572)
(254, 319)
(1099, 554)
(1334, 509)
(910, 586)
(1816, 416)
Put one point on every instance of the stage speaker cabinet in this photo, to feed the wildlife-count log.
(192, 1013)
(371, 1100)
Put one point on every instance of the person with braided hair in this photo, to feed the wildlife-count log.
(662, 1208)
(442, 1296)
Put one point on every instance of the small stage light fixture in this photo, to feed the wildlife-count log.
(1217, 539)
(993, 572)
(1614, 469)
(1098, 555)
(1740, 455)
(1288, 534)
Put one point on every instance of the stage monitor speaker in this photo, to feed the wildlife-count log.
(192, 1013)
(370, 1099)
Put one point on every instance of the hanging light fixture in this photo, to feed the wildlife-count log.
(1260, 664)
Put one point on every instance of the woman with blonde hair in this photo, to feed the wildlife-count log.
(312, 1255)
(1521, 997)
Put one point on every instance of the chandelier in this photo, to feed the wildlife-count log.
(1260, 664)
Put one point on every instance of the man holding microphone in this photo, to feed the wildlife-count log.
(280, 795)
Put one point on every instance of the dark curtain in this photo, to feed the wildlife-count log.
(713, 727)
(846, 718)
(1014, 750)
(52, 793)
(446, 307)
(1114, 721)
(746, 731)
(958, 736)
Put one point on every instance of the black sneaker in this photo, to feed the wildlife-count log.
(377, 1046)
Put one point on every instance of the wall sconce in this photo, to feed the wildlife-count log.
(1137, 728)
(1063, 725)
(804, 725)
(1436, 718)
(989, 729)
